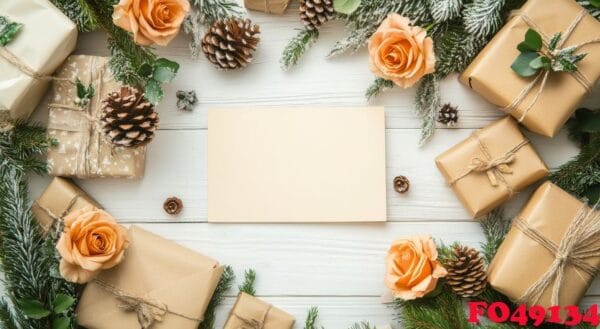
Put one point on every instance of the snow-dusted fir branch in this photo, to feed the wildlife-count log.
(482, 18)
(377, 87)
(427, 104)
(211, 10)
(297, 47)
(445, 10)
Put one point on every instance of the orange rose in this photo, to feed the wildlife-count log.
(91, 241)
(151, 21)
(401, 52)
(412, 268)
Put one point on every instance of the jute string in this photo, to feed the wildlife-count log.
(579, 243)
(148, 310)
(57, 218)
(87, 163)
(495, 168)
(542, 76)
(252, 323)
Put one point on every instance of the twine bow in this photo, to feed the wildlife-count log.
(252, 323)
(579, 243)
(542, 76)
(148, 311)
(495, 168)
(57, 218)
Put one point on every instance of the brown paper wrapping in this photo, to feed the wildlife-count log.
(158, 271)
(491, 76)
(475, 190)
(251, 310)
(60, 198)
(520, 261)
(46, 39)
(268, 6)
(83, 151)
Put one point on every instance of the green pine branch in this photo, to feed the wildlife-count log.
(427, 104)
(377, 87)
(297, 46)
(248, 285)
(495, 227)
(80, 12)
(210, 11)
(223, 286)
(312, 315)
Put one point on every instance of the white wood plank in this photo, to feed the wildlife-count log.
(176, 165)
(313, 260)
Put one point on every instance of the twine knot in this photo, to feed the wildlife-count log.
(491, 167)
(146, 312)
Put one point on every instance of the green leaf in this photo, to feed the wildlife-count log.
(62, 322)
(521, 64)
(346, 6)
(62, 303)
(153, 91)
(595, 3)
(80, 88)
(541, 62)
(523, 47)
(145, 70)
(33, 309)
(554, 41)
(164, 70)
(8, 30)
(533, 40)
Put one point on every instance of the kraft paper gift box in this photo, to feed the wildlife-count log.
(83, 151)
(60, 198)
(554, 234)
(252, 312)
(490, 74)
(159, 284)
(296, 165)
(45, 40)
(491, 165)
(268, 6)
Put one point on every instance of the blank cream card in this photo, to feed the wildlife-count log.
(296, 165)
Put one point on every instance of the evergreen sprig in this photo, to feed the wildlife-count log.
(362, 325)
(248, 285)
(80, 12)
(377, 87)
(297, 47)
(223, 286)
(495, 227)
(312, 315)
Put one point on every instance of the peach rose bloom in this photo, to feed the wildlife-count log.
(412, 268)
(91, 241)
(151, 21)
(400, 52)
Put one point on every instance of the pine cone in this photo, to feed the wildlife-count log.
(127, 118)
(230, 44)
(448, 115)
(173, 205)
(315, 13)
(466, 272)
(401, 184)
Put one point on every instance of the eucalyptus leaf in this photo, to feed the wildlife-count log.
(33, 309)
(541, 62)
(595, 3)
(163, 74)
(8, 30)
(62, 322)
(346, 7)
(521, 64)
(153, 91)
(62, 303)
(533, 40)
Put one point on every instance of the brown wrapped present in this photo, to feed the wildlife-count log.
(251, 312)
(542, 105)
(159, 284)
(268, 6)
(491, 165)
(83, 151)
(27, 62)
(60, 198)
(552, 252)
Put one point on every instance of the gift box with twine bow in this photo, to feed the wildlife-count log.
(250, 312)
(159, 285)
(268, 6)
(83, 150)
(490, 166)
(28, 61)
(552, 252)
(542, 102)
(58, 199)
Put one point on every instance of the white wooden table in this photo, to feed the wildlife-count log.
(338, 267)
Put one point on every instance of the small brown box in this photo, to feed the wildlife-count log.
(249, 309)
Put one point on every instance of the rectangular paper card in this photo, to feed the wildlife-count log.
(296, 165)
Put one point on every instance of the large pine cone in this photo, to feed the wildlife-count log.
(315, 13)
(466, 272)
(230, 44)
(448, 115)
(128, 119)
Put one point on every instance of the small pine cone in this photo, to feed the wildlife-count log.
(315, 13)
(173, 205)
(466, 272)
(448, 115)
(230, 44)
(401, 184)
(128, 119)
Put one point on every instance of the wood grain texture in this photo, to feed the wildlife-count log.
(338, 267)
